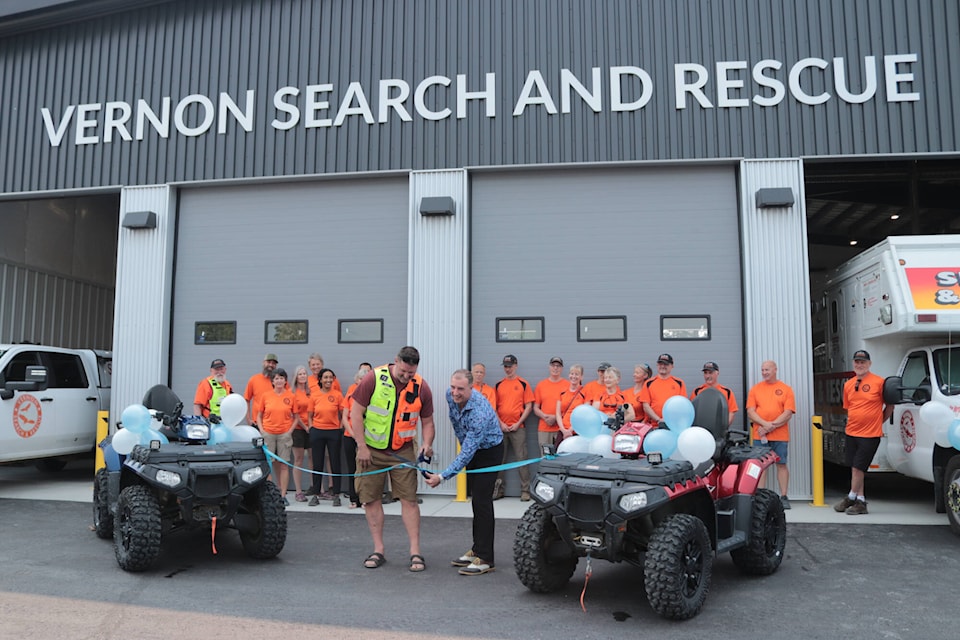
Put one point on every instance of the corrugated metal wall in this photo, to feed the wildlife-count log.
(141, 338)
(179, 49)
(438, 323)
(776, 299)
(51, 309)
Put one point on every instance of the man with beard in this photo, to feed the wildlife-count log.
(259, 383)
(212, 390)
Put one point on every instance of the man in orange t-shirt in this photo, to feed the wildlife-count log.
(711, 375)
(545, 397)
(479, 373)
(770, 405)
(258, 384)
(593, 389)
(863, 400)
(514, 404)
(660, 388)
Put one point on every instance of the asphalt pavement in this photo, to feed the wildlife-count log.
(58, 580)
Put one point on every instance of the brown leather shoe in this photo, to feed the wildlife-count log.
(844, 504)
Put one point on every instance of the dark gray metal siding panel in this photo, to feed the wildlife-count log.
(179, 48)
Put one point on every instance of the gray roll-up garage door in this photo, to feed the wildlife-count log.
(639, 242)
(318, 252)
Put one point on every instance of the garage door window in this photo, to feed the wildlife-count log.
(601, 328)
(684, 327)
(215, 333)
(285, 332)
(520, 329)
(360, 331)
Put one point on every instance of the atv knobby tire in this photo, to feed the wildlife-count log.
(266, 503)
(137, 528)
(102, 518)
(767, 537)
(544, 562)
(678, 567)
(951, 486)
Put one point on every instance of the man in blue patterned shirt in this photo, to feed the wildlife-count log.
(477, 428)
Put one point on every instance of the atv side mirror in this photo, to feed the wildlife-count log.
(548, 449)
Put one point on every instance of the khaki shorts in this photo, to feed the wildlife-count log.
(403, 480)
(281, 444)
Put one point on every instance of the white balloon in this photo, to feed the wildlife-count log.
(233, 409)
(243, 433)
(941, 435)
(937, 415)
(696, 444)
(574, 444)
(124, 441)
(601, 445)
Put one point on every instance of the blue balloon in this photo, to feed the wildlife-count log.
(660, 440)
(587, 421)
(136, 418)
(219, 435)
(953, 434)
(678, 413)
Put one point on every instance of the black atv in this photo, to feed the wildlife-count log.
(662, 515)
(185, 484)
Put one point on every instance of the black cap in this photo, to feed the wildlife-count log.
(603, 366)
(710, 366)
(509, 359)
(217, 363)
(665, 358)
(861, 355)
(556, 359)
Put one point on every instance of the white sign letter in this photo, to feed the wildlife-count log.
(396, 102)
(354, 90)
(794, 81)
(55, 133)
(488, 95)
(568, 82)
(112, 121)
(419, 98)
(725, 84)
(893, 78)
(616, 88)
(869, 76)
(535, 79)
(244, 118)
(766, 81)
(694, 88)
(207, 114)
(83, 123)
(281, 105)
(313, 105)
(160, 124)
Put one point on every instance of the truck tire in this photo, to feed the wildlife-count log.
(137, 528)
(766, 539)
(951, 482)
(102, 518)
(678, 567)
(266, 503)
(543, 561)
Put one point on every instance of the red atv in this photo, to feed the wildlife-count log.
(663, 515)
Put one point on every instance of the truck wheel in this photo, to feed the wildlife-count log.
(678, 566)
(136, 531)
(266, 503)
(763, 552)
(544, 562)
(951, 482)
(102, 518)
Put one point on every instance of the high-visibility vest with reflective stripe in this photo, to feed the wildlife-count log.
(389, 412)
(219, 393)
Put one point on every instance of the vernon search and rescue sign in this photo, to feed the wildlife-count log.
(304, 87)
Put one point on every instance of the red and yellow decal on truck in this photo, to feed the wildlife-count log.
(934, 288)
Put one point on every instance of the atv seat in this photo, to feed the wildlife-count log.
(712, 413)
(161, 398)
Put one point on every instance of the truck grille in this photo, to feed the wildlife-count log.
(586, 507)
(216, 486)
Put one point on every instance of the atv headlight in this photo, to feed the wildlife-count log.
(168, 478)
(198, 432)
(544, 491)
(633, 501)
(251, 475)
(626, 443)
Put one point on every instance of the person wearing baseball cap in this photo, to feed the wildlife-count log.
(711, 372)
(212, 390)
(545, 397)
(258, 384)
(514, 404)
(658, 389)
(595, 388)
(866, 413)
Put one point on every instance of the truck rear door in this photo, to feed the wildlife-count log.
(75, 400)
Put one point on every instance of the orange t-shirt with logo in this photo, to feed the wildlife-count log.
(658, 390)
(277, 410)
(257, 386)
(327, 406)
(864, 406)
(302, 406)
(592, 390)
(610, 402)
(632, 397)
(512, 397)
(546, 396)
(769, 400)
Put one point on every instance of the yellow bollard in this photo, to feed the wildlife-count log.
(103, 426)
(461, 484)
(816, 443)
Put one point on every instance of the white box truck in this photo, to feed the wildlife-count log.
(899, 300)
(50, 399)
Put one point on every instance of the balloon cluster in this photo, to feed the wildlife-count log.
(136, 428)
(946, 428)
(681, 439)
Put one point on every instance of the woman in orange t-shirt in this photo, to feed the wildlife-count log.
(569, 400)
(276, 419)
(301, 428)
(326, 435)
(641, 373)
(612, 398)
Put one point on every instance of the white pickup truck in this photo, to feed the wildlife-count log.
(49, 402)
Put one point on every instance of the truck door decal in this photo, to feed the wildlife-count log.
(908, 431)
(27, 415)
